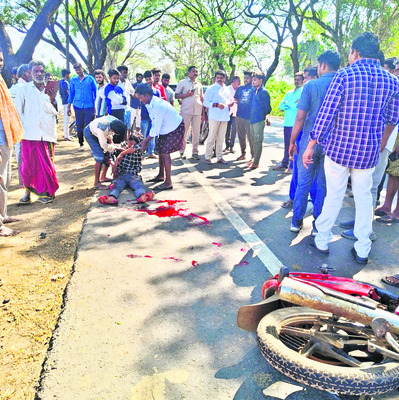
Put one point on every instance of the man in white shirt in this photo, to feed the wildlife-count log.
(217, 100)
(128, 90)
(231, 126)
(100, 104)
(24, 76)
(37, 111)
(168, 125)
(191, 94)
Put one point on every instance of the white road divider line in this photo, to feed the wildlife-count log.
(266, 256)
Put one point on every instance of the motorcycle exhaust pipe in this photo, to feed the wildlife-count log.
(355, 309)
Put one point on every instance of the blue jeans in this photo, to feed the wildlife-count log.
(294, 177)
(83, 118)
(127, 180)
(94, 144)
(145, 127)
(306, 177)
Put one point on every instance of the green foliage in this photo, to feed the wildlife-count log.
(12, 14)
(55, 71)
(277, 91)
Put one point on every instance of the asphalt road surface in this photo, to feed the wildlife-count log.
(150, 310)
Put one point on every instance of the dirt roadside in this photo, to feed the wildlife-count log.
(34, 271)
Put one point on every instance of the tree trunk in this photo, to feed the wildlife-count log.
(32, 38)
(294, 54)
(275, 62)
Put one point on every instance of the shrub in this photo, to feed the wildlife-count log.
(277, 91)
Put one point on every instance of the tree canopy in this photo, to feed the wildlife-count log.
(212, 34)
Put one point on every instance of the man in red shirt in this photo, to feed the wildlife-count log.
(156, 76)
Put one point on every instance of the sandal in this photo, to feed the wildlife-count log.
(287, 204)
(162, 187)
(156, 179)
(391, 280)
(100, 186)
(10, 220)
(388, 220)
(380, 213)
(108, 200)
(279, 168)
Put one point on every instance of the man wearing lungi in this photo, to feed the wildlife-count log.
(37, 111)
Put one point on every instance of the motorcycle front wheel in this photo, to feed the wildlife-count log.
(317, 350)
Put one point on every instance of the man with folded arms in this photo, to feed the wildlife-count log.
(217, 99)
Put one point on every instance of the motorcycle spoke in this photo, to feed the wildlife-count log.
(340, 355)
(294, 331)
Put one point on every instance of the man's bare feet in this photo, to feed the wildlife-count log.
(5, 232)
(10, 220)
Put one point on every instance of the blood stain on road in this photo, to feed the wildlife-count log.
(148, 256)
(217, 244)
(171, 258)
(243, 263)
(194, 263)
(172, 211)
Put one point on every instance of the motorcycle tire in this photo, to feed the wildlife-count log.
(360, 381)
(73, 130)
(204, 132)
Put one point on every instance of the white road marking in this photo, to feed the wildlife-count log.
(265, 255)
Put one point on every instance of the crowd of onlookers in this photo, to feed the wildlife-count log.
(340, 129)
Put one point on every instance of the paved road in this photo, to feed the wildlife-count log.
(150, 309)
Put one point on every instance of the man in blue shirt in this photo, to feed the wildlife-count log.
(115, 96)
(308, 106)
(82, 94)
(64, 92)
(289, 106)
(260, 108)
(243, 97)
(357, 116)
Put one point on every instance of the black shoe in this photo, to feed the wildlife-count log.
(312, 245)
(359, 260)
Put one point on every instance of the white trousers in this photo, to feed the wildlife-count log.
(337, 181)
(217, 132)
(378, 173)
(67, 118)
(195, 122)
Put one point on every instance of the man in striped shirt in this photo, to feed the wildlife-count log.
(357, 116)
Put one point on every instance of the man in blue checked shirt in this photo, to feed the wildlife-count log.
(359, 112)
(82, 94)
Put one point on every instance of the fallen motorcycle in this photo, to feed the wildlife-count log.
(342, 338)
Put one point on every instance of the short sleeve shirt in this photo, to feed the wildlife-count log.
(311, 99)
(191, 105)
(244, 96)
